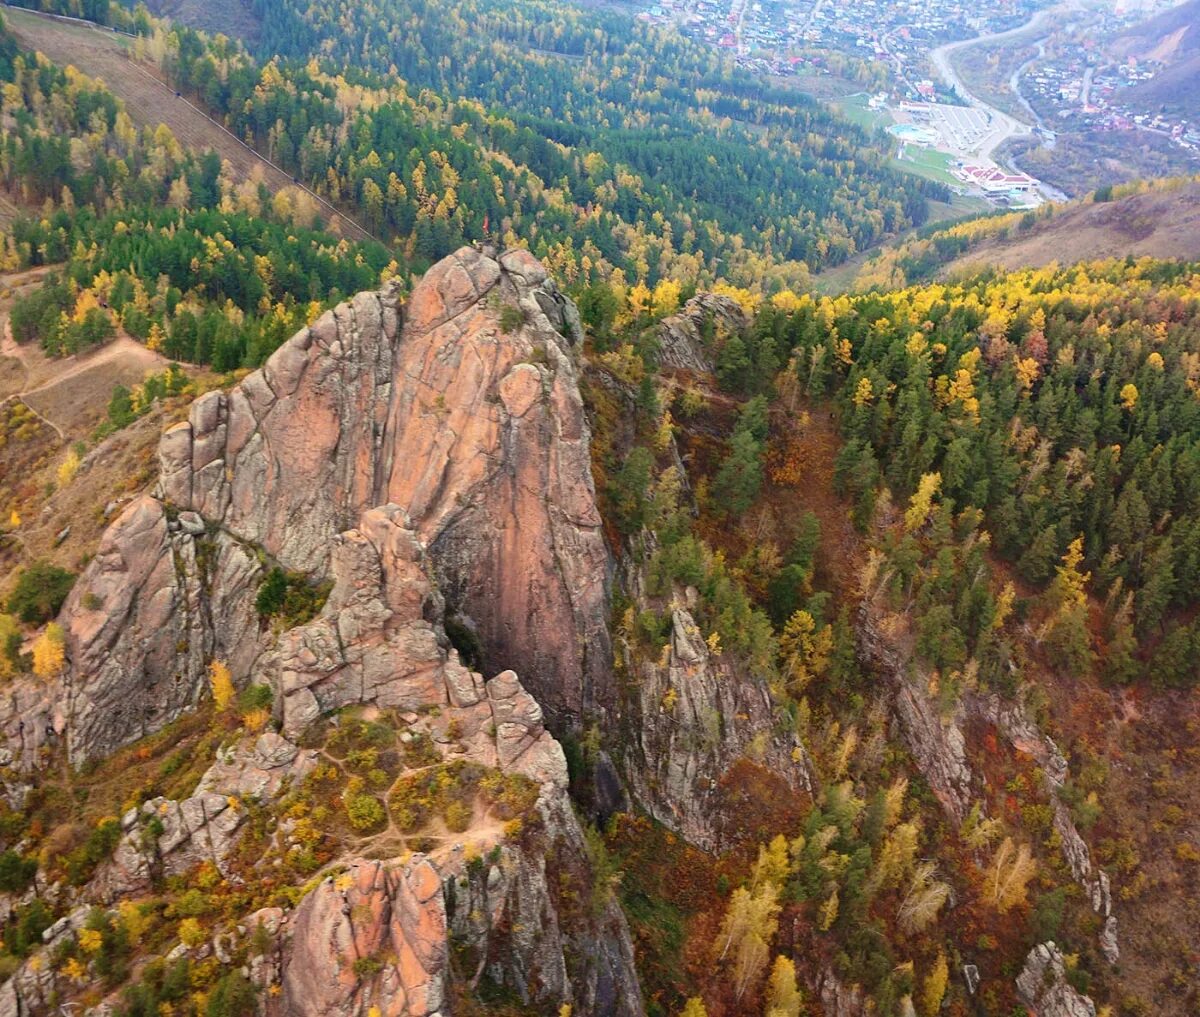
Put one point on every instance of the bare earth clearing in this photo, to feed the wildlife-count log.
(69, 397)
(1159, 224)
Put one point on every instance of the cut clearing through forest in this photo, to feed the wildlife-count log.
(68, 394)
(149, 101)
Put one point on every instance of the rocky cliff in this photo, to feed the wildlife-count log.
(696, 716)
(686, 338)
(420, 459)
(938, 746)
(461, 407)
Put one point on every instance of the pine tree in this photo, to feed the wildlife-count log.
(1120, 661)
(804, 650)
(739, 479)
(1066, 632)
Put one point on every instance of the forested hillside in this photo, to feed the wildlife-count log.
(641, 151)
(633, 632)
(158, 240)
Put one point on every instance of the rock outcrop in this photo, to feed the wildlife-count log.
(474, 428)
(170, 838)
(935, 741)
(1043, 987)
(371, 912)
(682, 342)
(694, 715)
(490, 455)
(1013, 720)
(938, 746)
(380, 933)
(423, 459)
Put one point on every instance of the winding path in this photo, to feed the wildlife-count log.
(1006, 126)
(122, 348)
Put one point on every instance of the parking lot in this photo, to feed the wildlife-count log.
(960, 130)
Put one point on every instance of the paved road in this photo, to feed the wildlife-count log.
(1006, 126)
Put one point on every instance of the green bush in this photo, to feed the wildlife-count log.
(365, 967)
(512, 318)
(365, 812)
(24, 932)
(256, 697)
(628, 490)
(233, 996)
(40, 592)
(100, 844)
(290, 597)
(157, 984)
(16, 873)
(112, 959)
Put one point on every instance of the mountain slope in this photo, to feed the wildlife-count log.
(1158, 224)
(274, 557)
(1173, 39)
(1157, 219)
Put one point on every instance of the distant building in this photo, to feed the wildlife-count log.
(994, 181)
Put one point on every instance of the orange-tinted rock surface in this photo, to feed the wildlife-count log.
(478, 434)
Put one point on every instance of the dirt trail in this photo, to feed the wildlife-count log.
(123, 348)
(125, 354)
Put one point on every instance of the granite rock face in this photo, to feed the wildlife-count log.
(936, 741)
(422, 460)
(371, 912)
(1014, 721)
(681, 336)
(478, 434)
(379, 934)
(1043, 987)
(694, 716)
(489, 453)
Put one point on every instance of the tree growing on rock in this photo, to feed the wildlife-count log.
(221, 682)
(49, 651)
(40, 592)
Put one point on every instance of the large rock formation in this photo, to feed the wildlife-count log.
(478, 433)
(423, 458)
(682, 336)
(935, 740)
(516, 921)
